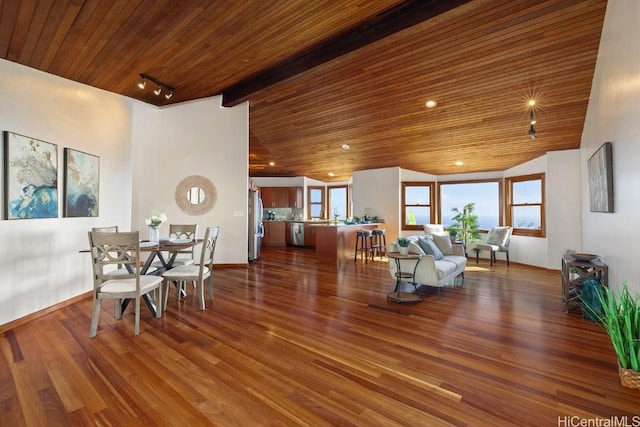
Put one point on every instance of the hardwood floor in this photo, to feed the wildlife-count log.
(292, 341)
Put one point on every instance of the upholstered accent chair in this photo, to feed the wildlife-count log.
(497, 241)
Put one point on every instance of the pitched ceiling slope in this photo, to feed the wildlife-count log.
(480, 61)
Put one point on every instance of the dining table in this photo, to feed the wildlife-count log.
(170, 247)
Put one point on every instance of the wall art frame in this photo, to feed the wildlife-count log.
(30, 177)
(600, 170)
(81, 184)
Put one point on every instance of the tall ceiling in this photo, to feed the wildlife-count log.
(322, 73)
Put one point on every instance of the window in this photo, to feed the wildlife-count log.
(338, 202)
(525, 204)
(486, 195)
(315, 205)
(417, 205)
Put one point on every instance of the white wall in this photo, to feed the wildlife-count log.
(613, 115)
(194, 138)
(379, 191)
(562, 200)
(39, 260)
(40, 263)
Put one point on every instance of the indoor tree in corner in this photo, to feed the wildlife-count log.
(465, 225)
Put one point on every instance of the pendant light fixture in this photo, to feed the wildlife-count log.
(532, 120)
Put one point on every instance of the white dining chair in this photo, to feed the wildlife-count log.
(181, 231)
(108, 249)
(195, 273)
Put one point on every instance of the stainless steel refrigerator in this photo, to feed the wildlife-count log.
(256, 230)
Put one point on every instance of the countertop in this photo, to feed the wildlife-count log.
(322, 222)
(342, 224)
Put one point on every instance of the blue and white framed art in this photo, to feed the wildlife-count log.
(81, 184)
(30, 177)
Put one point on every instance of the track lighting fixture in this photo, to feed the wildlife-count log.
(159, 86)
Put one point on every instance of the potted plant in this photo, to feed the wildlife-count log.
(403, 245)
(452, 234)
(620, 317)
(465, 225)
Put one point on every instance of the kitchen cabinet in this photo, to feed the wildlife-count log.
(274, 233)
(310, 235)
(275, 197)
(295, 197)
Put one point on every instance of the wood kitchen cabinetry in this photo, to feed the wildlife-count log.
(274, 233)
(295, 197)
(281, 197)
(309, 236)
(275, 197)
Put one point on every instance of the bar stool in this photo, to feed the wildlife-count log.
(379, 242)
(364, 245)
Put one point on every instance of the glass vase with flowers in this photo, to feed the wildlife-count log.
(154, 223)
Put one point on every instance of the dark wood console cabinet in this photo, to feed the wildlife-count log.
(574, 273)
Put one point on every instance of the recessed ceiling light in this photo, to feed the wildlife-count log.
(458, 163)
(532, 102)
(430, 103)
(272, 163)
(345, 146)
(330, 173)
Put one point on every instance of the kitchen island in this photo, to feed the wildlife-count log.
(338, 240)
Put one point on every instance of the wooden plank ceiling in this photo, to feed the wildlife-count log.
(481, 61)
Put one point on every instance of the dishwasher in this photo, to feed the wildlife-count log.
(297, 233)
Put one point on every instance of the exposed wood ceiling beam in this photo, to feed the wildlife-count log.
(399, 18)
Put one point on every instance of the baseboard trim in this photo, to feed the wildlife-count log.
(43, 312)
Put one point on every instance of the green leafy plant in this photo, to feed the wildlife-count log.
(620, 318)
(465, 225)
(403, 242)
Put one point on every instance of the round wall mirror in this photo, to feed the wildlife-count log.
(196, 195)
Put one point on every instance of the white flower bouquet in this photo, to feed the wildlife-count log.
(156, 220)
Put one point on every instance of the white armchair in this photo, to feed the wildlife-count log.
(497, 241)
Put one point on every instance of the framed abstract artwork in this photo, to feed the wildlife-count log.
(600, 167)
(30, 177)
(81, 184)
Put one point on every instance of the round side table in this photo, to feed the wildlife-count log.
(401, 276)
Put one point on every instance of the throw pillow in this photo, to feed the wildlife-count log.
(443, 241)
(415, 249)
(430, 248)
(433, 228)
(498, 236)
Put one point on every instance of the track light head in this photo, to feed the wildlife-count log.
(158, 91)
(532, 133)
(142, 84)
(169, 94)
